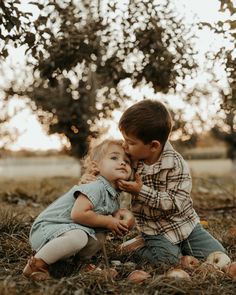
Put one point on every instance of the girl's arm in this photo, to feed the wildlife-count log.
(82, 212)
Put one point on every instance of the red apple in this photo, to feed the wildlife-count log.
(231, 270)
(177, 273)
(189, 262)
(218, 259)
(138, 276)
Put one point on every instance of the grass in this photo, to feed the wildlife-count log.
(21, 202)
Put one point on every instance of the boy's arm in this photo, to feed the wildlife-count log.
(90, 174)
(173, 197)
(82, 212)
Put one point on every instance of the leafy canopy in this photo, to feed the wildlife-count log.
(82, 52)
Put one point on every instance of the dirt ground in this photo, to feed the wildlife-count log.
(21, 201)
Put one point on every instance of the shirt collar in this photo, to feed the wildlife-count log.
(166, 160)
(111, 190)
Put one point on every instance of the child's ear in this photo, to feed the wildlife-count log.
(155, 145)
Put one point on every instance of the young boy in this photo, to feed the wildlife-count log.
(161, 199)
(67, 226)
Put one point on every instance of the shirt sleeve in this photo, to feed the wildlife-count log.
(92, 190)
(176, 195)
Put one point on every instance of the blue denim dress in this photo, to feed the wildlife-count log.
(56, 220)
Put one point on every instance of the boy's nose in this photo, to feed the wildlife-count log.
(125, 146)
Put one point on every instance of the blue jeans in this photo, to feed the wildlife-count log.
(158, 249)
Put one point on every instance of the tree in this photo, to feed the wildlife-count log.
(8, 133)
(14, 26)
(82, 53)
(225, 128)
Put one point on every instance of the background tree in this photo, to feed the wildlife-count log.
(83, 53)
(14, 26)
(8, 133)
(225, 126)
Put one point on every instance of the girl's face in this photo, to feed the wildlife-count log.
(115, 164)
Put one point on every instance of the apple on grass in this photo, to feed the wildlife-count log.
(230, 270)
(138, 276)
(218, 259)
(189, 262)
(177, 273)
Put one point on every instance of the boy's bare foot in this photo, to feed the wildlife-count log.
(36, 269)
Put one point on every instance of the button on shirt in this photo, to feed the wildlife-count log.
(164, 205)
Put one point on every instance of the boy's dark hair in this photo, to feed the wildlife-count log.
(147, 120)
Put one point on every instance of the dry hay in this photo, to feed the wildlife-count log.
(23, 201)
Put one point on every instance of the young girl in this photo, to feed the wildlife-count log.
(64, 228)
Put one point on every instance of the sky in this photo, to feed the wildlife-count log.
(34, 137)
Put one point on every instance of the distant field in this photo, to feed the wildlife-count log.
(33, 167)
(212, 167)
(25, 167)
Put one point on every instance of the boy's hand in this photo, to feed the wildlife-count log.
(90, 175)
(117, 226)
(87, 178)
(132, 187)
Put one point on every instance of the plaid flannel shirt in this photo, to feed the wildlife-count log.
(164, 205)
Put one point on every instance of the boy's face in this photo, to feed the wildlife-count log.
(139, 150)
(115, 164)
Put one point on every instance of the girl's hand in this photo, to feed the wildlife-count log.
(117, 226)
(132, 187)
(125, 215)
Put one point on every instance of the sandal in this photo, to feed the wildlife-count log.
(36, 269)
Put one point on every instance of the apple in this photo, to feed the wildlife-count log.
(231, 270)
(177, 273)
(127, 216)
(189, 262)
(218, 259)
(138, 276)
